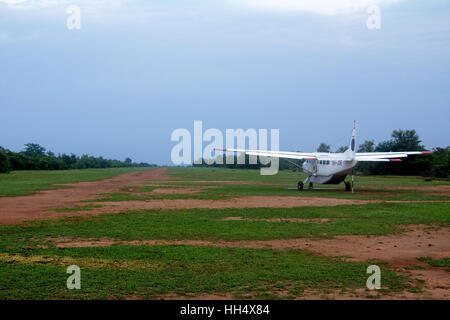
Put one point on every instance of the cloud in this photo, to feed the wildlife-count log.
(32, 3)
(48, 3)
(323, 7)
(12, 1)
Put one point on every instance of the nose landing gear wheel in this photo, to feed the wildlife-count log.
(348, 186)
(300, 186)
(310, 185)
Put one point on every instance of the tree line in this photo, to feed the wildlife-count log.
(36, 157)
(430, 165)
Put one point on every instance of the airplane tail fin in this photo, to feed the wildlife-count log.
(352, 147)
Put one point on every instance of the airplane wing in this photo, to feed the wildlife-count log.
(386, 156)
(274, 154)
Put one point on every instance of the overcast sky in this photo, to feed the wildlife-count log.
(139, 69)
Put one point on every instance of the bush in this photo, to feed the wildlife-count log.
(4, 162)
(35, 157)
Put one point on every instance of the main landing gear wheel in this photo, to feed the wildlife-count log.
(348, 186)
(300, 186)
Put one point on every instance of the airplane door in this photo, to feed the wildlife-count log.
(314, 166)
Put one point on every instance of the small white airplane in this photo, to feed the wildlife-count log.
(330, 168)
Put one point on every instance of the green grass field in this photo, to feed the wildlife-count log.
(440, 263)
(32, 266)
(208, 224)
(283, 184)
(150, 272)
(23, 183)
(287, 177)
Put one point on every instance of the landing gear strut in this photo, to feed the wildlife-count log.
(301, 185)
(353, 183)
(350, 186)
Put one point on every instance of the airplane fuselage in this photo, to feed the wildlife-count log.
(329, 168)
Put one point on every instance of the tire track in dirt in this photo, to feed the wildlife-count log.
(37, 206)
(32, 207)
(399, 251)
(240, 202)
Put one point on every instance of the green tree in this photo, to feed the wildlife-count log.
(33, 149)
(441, 163)
(323, 147)
(404, 140)
(341, 149)
(367, 146)
(4, 162)
(367, 167)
